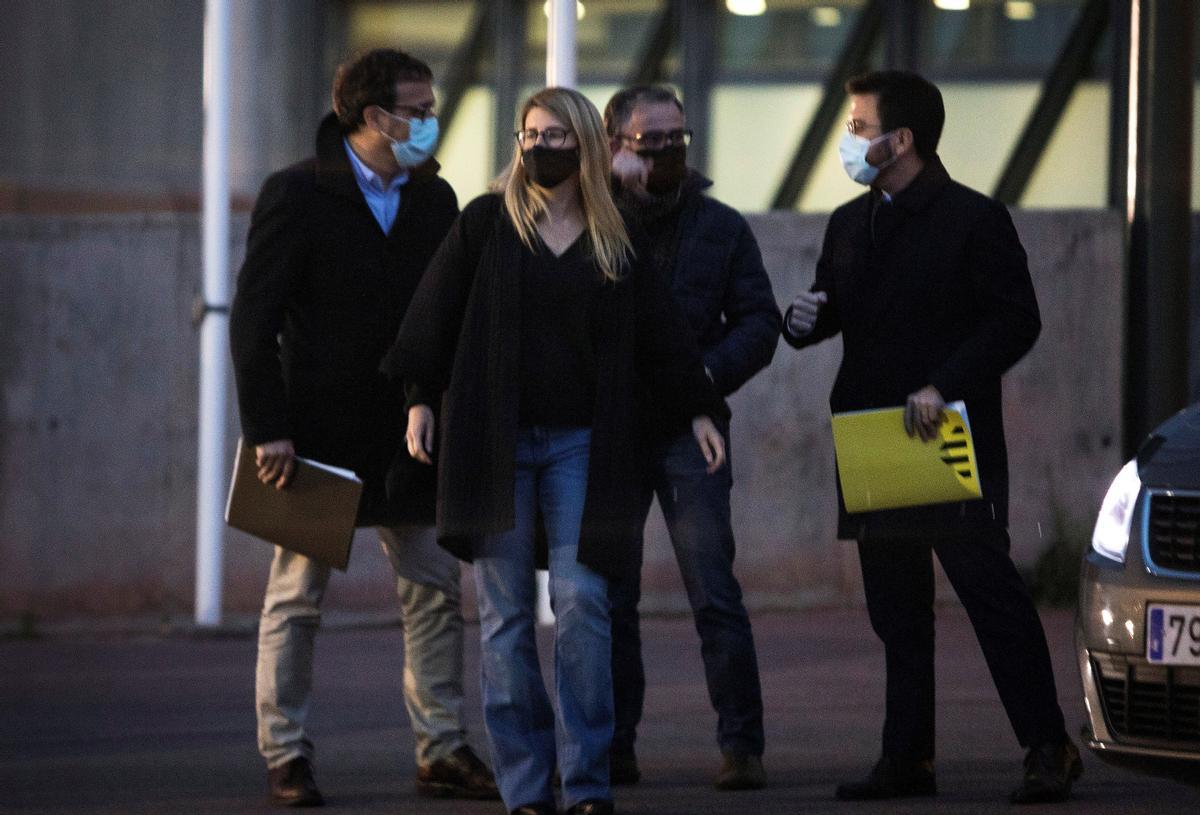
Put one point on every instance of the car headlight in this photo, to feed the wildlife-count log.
(1110, 538)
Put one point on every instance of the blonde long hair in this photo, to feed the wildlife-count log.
(526, 203)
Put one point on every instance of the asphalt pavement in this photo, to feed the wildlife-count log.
(150, 724)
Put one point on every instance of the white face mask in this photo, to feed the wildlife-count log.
(853, 150)
(422, 141)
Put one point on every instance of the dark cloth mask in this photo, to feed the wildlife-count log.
(547, 167)
(668, 171)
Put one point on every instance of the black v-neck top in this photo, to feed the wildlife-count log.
(558, 354)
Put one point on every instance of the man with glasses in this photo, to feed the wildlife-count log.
(928, 284)
(711, 257)
(337, 244)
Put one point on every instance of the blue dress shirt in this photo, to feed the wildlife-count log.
(384, 201)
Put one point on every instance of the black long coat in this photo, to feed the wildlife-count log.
(941, 296)
(319, 300)
(461, 336)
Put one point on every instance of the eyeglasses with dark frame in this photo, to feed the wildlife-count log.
(552, 137)
(657, 139)
(412, 112)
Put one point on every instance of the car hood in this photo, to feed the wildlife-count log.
(1170, 457)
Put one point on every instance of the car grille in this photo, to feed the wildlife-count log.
(1173, 540)
(1150, 703)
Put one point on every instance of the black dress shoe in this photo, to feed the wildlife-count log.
(741, 771)
(535, 809)
(1050, 769)
(459, 775)
(293, 785)
(592, 806)
(891, 778)
(623, 768)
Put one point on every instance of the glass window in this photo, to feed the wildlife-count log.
(430, 31)
(1012, 38)
(793, 39)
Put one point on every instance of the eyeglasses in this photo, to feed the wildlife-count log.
(409, 112)
(856, 126)
(657, 139)
(552, 137)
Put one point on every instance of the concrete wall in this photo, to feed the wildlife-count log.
(105, 96)
(98, 381)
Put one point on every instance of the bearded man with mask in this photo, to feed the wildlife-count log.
(709, 254)
(336, 247)
(927, 282)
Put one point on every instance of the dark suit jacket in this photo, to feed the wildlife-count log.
(941, 295)
(319, 300)
(461, 336)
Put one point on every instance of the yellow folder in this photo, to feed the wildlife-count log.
(881, 467)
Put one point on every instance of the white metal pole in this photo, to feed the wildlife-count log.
(560, 71)
(560, 44)
(214, 327)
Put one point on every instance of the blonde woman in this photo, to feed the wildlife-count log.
(532, 329)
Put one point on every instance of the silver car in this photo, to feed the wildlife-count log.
(1137, 633)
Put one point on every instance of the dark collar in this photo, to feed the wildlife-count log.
(692, 187)
(334, 172)
(924, 188)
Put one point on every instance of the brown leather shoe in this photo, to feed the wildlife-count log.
(891, 777)
(292, 784)
(459, 775)
(592, 806)
(1050, 769)
(741, 771)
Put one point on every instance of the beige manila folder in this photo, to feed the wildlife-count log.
(313, 515)
(881, 467)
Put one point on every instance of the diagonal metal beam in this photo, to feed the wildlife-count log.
(650, 65)
(850, 62)
(464, 66)
(1071, 65)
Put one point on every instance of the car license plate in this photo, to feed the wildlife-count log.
(1173, 635)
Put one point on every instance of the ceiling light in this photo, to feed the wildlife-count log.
(746, 8)
(952, 5)
(1020, 10)
(826, 16)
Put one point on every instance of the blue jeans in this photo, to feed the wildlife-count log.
(551, 478)
(695, 506)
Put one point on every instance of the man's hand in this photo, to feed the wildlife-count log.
(712, 443)
(632, 170)
(420, 433)
(803, 316)
(276, 462)
(924, 413)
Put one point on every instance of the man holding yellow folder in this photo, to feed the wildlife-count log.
(927, 283)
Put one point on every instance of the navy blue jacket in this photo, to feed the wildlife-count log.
(719, 282)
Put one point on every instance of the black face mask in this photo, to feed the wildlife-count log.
(547, 167)
(668, 171)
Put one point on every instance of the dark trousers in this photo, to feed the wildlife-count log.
(898, 578)
(696, 508)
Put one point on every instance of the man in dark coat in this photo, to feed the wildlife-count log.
(708, 253)
(336, 247)
(928, 284)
